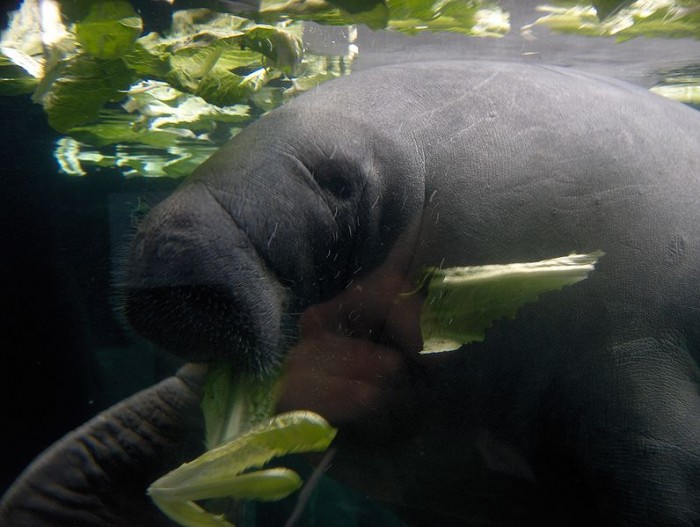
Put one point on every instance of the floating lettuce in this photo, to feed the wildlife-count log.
(688, 93)
(87, 62)
(462, 302)
(471, 17)
(624, 19)
(109, 31)
(163, 102)
(681, 84)
(84, 61)
(627, 19)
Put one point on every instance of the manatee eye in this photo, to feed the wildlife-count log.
(338, 180)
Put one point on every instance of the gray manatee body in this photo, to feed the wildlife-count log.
(584, 409)
(497, 162)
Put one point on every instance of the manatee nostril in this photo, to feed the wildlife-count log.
(198, 323)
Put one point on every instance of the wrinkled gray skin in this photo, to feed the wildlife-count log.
(584, 410)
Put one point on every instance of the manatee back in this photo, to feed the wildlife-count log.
(520, 162)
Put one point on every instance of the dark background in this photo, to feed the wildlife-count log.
(65, 353)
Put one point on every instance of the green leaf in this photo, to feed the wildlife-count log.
(166, 132)
(122, 129)
(681, 84)
(649, 18)
(110, 30)
(420, 11)
(287, 433)
(189, 514)
(237, 65)
(190, 64)
(74, 10)
(195, 24)
(148, 57)
(218, 473)
(462, 302)
(326, 12)
(262, 485)
(166, 107)
(18, 86)
(475, 18)
(241, 436)
(685, 93)
(282, 48)
(234, 64)
(234, 402)
(81, 87)
(222, 87)
(13, 79)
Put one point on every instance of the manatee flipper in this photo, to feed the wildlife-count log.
(97, 475)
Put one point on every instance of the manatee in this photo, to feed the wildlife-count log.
(289, 248)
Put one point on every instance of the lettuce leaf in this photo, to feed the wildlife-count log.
(80, 58)
(218, 473)
(463, 302)
(624, 19)
(109, 30)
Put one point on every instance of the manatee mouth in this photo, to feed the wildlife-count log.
(203, 324)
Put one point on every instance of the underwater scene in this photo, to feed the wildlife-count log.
(350, 263)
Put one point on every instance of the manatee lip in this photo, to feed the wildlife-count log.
(204, 323)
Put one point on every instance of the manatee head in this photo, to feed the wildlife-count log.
(195, 285)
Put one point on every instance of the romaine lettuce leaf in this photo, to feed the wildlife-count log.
(218, 473)
(463, 302)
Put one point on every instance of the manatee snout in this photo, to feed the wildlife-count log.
(195, 285)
